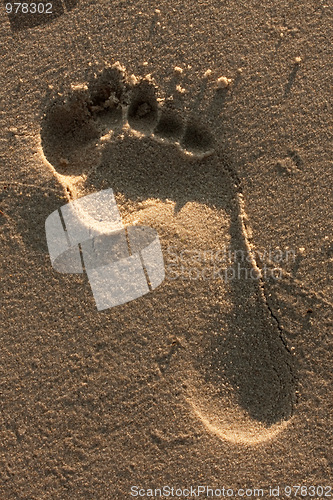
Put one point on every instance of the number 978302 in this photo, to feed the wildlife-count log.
(28, 8)
(25, 15)
(36, 12)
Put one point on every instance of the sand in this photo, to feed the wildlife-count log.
(211, 124)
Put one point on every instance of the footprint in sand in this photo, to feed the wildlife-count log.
(168, 172)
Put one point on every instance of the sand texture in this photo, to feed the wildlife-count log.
(211, 122)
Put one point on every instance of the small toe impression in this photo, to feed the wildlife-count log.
(142, 112)
(170, 125)
(68, 128)
(197, 139)
(108, 84)
(107, 93)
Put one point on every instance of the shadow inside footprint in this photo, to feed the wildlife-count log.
(143, 110)
(242, 348)
(197, 138)
(250, 355)
(67, 130)
(170, 125)
(72, 126)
